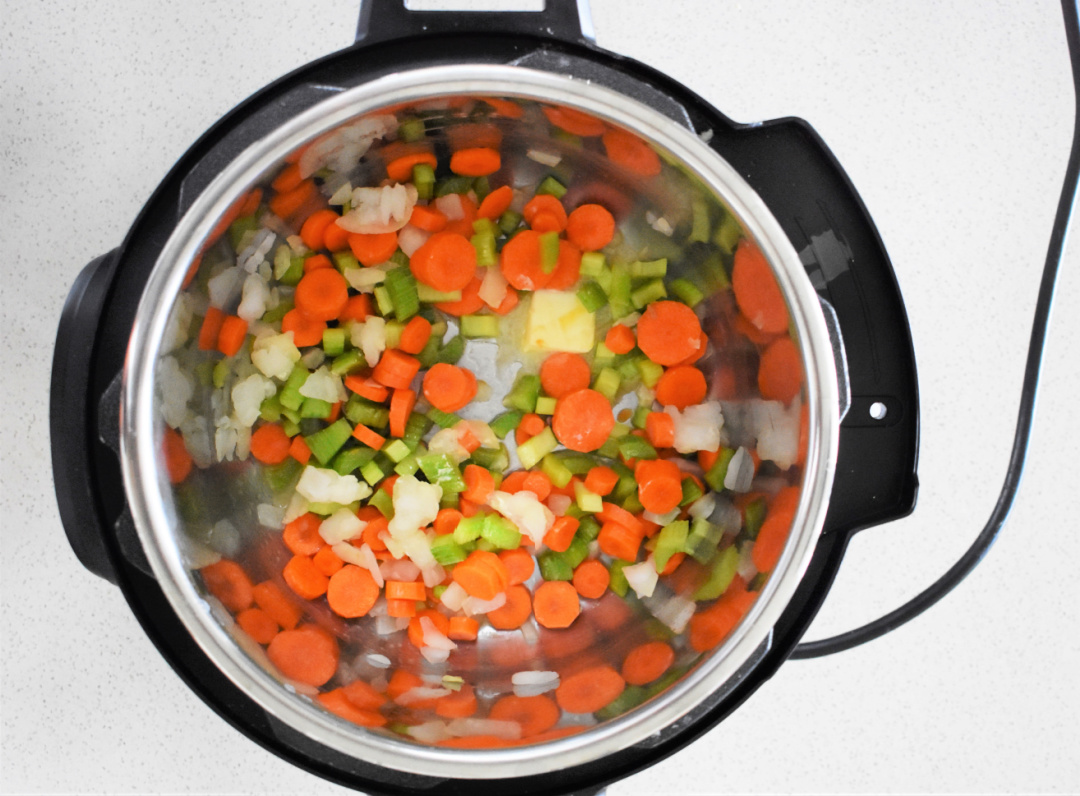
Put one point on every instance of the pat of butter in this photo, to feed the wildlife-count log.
(558, 321)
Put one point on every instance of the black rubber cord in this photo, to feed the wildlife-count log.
(989, 534)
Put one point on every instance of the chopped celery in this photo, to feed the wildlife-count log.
(372, 473)
(361, 411)
(500, 532)
(619, 295)
(399, 258)
(429, 295)
(545, 405)
(727, 234)
(524, 393)
(619, 584)
(440, 469)
(533, 450)
(344, 260)
(576, 463)
(628, 369)
(634, 447)
(328, 441)
(649, 292)
(604, 355)
(702, 540)
(316, 408)
(753, 516)
(396, 450)
(270, 409)
(481, 187)
(469, 529)
(294, 273)
(586, 500)
(554, 567)
(412, 130)
(495, 459)
(690, 491)
(607, 383)
(700, 227)
(592, 263)
(577, 552)
(716, 474)
(442, 419)
(506, 422)
(333, 341)
(485, 226)
(349, 362)
(452, 351)
(350, 459)
(424, 179)
(610, 448)
(641, 415)
(722, 572)
(283, 476)
(484, 244)
(428, 356)
(648, 269)
(670, 540)
(383, 301)
(384, 502)
(447, 551)
(326, 509)
(239, 228)
(415, 428)
(550, 185)
(632, 503)
(549, 251)
(221, 372)
(554, 469)
(453, 184)
(474, 326)
(407, 466)
(687, 292)
(650, 371)
(277, 313)
(631, 697)
(592, 296)
(589, 528)
(509, 221)
(290, 426)
(401, 287)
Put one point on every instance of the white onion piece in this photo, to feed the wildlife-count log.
(370, 338)
(663, 519)
(248, 395)
(531, 517)
(350, 555)
(474, 605)
(746, 569)
(642, 577)
(421, 693)
(368, 561)
(493, 287)
(703, 506)
(454, 596)
(433, 575)
(559, 504)
(509, 730)
(364, 279)
(324, 385)
(676, 612)
(224, 287)
(343, 524)
(429, 732)
(376, 211)
(275, 355)
(377, 660)
(530, 632)
(176, 332)
(399, 569)
(777, 432)
(740, 472)
(411, 238)
(448, 441)
(313, 358)
(298, 506)
(175, 389)
(342, 195)
(479, 429)
(451, 206)
(697, 428)
(326, 486)
(269, 516)
(433, 637)
(416, 504)
(534, 683)
(385, 625)
(549, 159)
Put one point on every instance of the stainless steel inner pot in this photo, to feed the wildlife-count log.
(152, 498)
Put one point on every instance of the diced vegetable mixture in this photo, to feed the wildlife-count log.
(423, 563)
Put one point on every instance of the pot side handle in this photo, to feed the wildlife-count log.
(385, 20)
(72, 417)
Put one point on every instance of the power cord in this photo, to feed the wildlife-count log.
(1028, 394)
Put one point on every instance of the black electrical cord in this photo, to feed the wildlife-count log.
(1028, 393)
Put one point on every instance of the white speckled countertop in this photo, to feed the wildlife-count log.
(953, 120)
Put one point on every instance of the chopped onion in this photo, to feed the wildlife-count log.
(275, 355)
(298, 506)
(433, 637)
(421, 693)
(454, 596)
(248, 396)
(777, 432)
(642, 577)
(746, 569)
(474, 605)
(385, 625)
(269, 515)
(416, 504)
(175, 389)
(676, 613)
(740, 472)
(340, 526)
(176, 332)
(479, 429)
(448, 441)
(224, 538)
(434, 655)
(342, 195)
(451, 206)
(344, 146)
(493, 287)
(255, 297)
(320, 485)
(429, 731)
(377, 660)
(534, 683)
(255, 253)
(376, 211)
(549, 159)
(703, 506)
(324, 385)
(366, 558)
(433, 575)
(399, 569)
(508, 730)
(224, 286)
(697, 428)
(313, 358)
(364, 279)
(531, 517)
(663, 519)
(370, 338)
(559, 504)
(411, 238)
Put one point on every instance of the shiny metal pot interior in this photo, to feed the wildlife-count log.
(174, 546)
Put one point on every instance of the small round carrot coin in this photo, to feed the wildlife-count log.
(563, 373)
(583, 420)
(668, 332)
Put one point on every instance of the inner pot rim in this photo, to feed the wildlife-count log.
(146, 489)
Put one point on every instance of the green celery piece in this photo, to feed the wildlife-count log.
(289, 425)
(586, 500)
(700, 227)
(485, 226)
(500, 532)
(452, 351)
(506, 422)
(702, 540)
(641, 416)
(447, 551)
(221, 372)
(412, 130)
(727, 234)
(716, 474)
(280, 477)
(610, 448)
(455, 184)
(440, 469)
(362, 412)
(428, 356)
(619, 584)
(607, 383)
(577, 552)
(429, 295)
(349, 362)
(475, 326)
(442, 419)
(393, 333)
(634, 447)
(691, 492)
(484, 544)
(650, 372)
(627, 484)
(383, 301)
(576, 463)
(423, 177)
(630, 698)
(524, 393)
(484, 244)
(619, 296)
(469, 529)
(397, 450)
(277, 313)
(241, 227)
(494, 459)
(325, 509)
(649, 292)
(372, 473)
(687, 292)
(648, 269)
(545, 405)
(400, 259)
(592, 263)
(554, 567)
(753, 516)
(551, 186)
(632, 503)
(606, 278)
(294, 273)
(592, 296)
(384, 502)
(328, 441)
(533, 450)
(549, 251)
(554, 469)
(509, 221)
(401, 285)
(407, 466)
(348, 460)
(603, 356)
(270, 409)
(721, 573)
(344, 260)
(316, 408)
(670, 540)
(333, 341)
(589, 528)
(415, 428)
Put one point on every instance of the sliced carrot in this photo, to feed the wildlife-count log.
(373, 249)
(322, 294)
(396, 369)
(401, 405)
(178, 460)
(589, 690)
(482, 575)
(505, 108)
(270, 444)
(563, 373)
(446, 261)
(211, 327)
(514, 482)
(363, 695)
(462, 703)
(467, 439)
(304, 196)
(306, 331)
(538, 483)
(464, 226)
(561, 533)
(428, 218)
(314, 228)
(227, 580)
(496, 203)
(463, 628)
(620, 339)
(338, 703)
(336, 238)
(232, 334)
(299, 449)
(609, 512)
(307, 654)
(368, 437)
(401, 608)
(316, 261)
(521, 261)
(401, 169)
(531, 424)
(573, 121)
(773, 534)
(352, 591)
(301, 535)
(600, 480)
(405, 590)
(446, 521)
(709, 626)
(673, 563)
(467, 507)
(591, 579)
(511, 299)
(647, 662)
(567, 267)
(402, 681)
(474, 134)
(545, 205)
(591, 227)
(475, 162)
(327, 561)
(780, 371)
(479, 483)
(583, 420)
(618, 541)
(756, 291)
(659, 485)
(514, 612)
(303, 577)
(535, 714)
(416, 631)
(519, 565)
(288, 179)
(681, 386)
(556, 604)
(469, 302)
(269, 597)
(449, 387)
(632, 153)
(367, 388)
(703, 346)
(660, 429)
(257, 624)
(668, 332)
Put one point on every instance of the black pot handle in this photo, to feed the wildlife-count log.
(385, 20)
(847, 263)
(73, 416)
